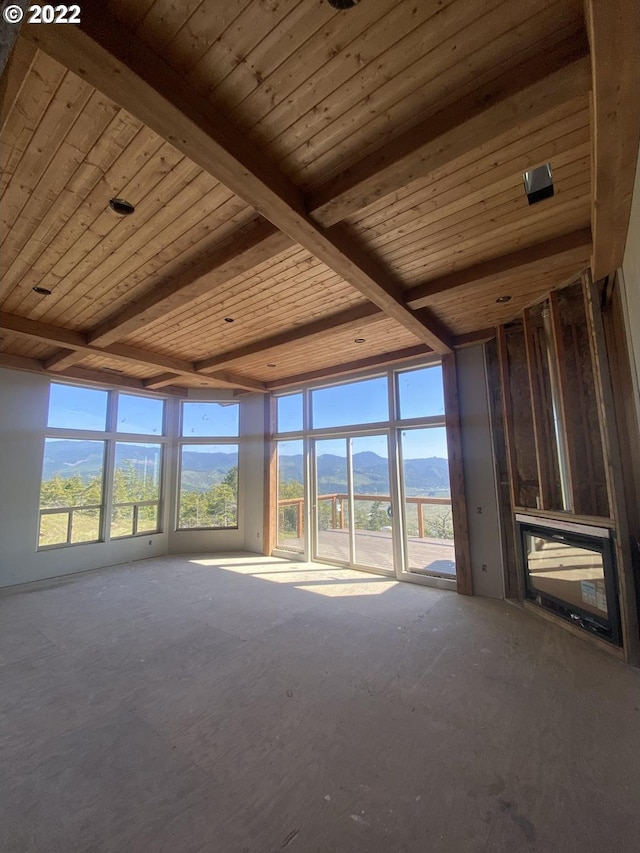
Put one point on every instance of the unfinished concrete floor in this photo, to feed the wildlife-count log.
(247, 705)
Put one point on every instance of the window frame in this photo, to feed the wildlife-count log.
(110, 436)
(137, 504)
(391, 427)
(203, 441)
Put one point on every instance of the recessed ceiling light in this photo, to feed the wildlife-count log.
(538, 183)
(359, 340)
(119, 205)
(228, 319)
(270, 364)
(343, 4)
(42, 291)
(502, 299)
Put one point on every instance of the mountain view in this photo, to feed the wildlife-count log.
(200, 471)
(371, 474)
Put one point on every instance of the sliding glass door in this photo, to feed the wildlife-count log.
(363, 474)
(331, 506)
(352, 500)
(426, 502)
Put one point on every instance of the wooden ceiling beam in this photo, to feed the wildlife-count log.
(22, 327)
(116, 61)
(226, 378)
(34, 365)
(543, 255)
(614, 36)
(472, 339)
(351, 318)
(459, 341)
(246, 249)
(350, 367)
(160, 381)
(514, 101)
(64, 359)
(44, 333)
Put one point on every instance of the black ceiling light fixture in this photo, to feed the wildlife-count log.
(343, 4)
(538, 183)
(228, 319)
(271, 364)
(502, 299)
(121, 207)
(42, 291)
(359, 340)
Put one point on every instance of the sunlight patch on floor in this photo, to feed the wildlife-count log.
(342, 590)
(309, 577)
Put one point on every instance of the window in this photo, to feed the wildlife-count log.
(85, 468)
(72, 407)
(354, 403)
(136, 488)
(140, 415)
(420, 392)
(363, 473)
(289, 413)
(208, 495)
(71, 496)
(209, 419)
(291, 501)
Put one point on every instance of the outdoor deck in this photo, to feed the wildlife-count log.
(374, 549)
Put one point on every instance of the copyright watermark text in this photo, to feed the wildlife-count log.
(47, 14)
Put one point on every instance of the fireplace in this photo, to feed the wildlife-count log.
(569, 569)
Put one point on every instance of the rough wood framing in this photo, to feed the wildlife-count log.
(615, 479)
(542, 408)
(464, 580)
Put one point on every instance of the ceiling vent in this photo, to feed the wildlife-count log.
(538, 183)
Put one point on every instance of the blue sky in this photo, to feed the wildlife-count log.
(419, 391)
(420, 395)
(71, 407)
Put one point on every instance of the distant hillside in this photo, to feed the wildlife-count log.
(371, 474)
(69, 458)
(202, 470)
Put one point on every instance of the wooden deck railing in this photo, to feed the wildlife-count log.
(337, 515)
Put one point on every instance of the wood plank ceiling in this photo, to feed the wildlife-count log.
(302, 178)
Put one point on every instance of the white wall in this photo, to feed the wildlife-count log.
(479, 474)
(24, 400)
(631, 286)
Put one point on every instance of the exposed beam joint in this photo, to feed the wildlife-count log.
(34, 365)
(44, 333)
(114, 60)
(160, 381)
(515, 101)
(64, 359)
(471, 339)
